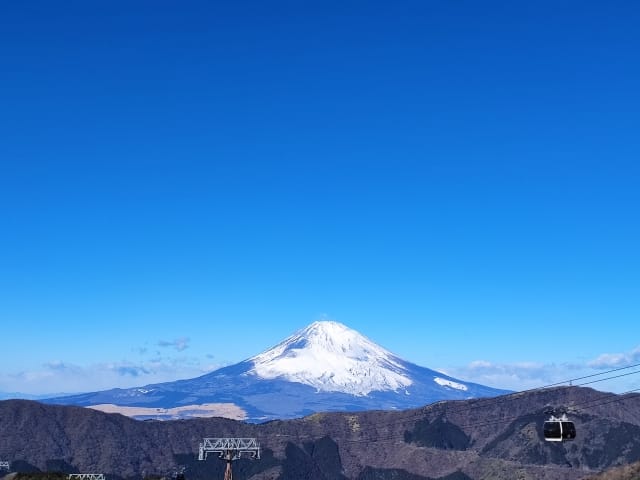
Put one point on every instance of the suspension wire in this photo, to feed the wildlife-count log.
(570, 382)
(608, 378)
(395, 437)
(591, 403)
(488, 401)
(509, 397)
(588, 376)
(482, 402)
(617, 399)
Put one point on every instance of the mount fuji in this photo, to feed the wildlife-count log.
(323, 367)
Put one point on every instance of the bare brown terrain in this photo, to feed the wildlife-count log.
(205, 410)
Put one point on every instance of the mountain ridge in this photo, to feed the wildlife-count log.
(499, 438)
(325, 366)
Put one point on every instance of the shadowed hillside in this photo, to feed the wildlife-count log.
(499, 438)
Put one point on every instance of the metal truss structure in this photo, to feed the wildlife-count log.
(5, 465)
(222, 446)
(230, 449)
(86, 476)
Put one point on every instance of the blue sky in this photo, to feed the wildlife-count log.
(184, 184)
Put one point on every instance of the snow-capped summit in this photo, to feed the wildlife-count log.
(331, 357)
(323, 367)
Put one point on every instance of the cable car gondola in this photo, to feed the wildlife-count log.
(559, 429)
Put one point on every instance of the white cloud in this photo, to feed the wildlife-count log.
(521, 376)
(60, 377)
(480, 364)
(615, 360)
(179, 344)
(59, 365)
(513, 376)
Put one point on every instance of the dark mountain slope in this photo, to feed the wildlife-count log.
(495, 438)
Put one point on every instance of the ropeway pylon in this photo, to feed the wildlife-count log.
(230, 449)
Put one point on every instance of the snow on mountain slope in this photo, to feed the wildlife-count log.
(332, 358)
(323, 367)
(450, 383)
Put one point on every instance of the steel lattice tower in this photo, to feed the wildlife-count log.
(85, 476)
(229, 449)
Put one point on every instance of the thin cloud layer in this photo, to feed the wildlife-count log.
(59, 377)
(531, 375)
(179, 344)
(514, 376)
(615, 360)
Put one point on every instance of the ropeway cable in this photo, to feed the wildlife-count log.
(591, 403)
(486, 402)
(396, 437)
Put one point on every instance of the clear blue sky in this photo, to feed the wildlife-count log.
(184, 184)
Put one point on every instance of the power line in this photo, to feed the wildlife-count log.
(588, 403)
(589, 376)
(395, 437)
(486, 402)
(609, 378)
